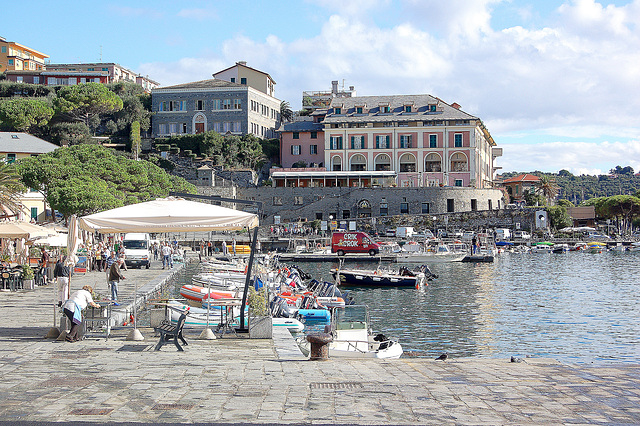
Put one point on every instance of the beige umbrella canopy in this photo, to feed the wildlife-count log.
(168, 215)
(18, 229)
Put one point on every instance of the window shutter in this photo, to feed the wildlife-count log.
(377, 142)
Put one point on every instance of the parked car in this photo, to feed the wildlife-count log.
(390, 233)
(596, 236)
(524, 235)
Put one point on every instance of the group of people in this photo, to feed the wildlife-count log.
(208, 248)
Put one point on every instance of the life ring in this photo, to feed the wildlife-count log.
(318, 245)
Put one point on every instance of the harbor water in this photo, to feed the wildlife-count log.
(575, 307)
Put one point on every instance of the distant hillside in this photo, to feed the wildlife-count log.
(581, 188)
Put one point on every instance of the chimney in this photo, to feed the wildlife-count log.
(456, 105)
(242, 63)
(334, 87)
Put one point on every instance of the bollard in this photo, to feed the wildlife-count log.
(319, 346)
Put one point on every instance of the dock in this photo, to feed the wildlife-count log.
(262, 381)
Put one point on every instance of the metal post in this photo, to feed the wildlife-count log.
(242, 328)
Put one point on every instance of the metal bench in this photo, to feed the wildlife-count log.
(169, 331)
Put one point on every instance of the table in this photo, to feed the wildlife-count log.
(226, 314)
(98, 320)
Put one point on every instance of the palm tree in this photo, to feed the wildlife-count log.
(10, 189)
(286, 114)
(548, 187)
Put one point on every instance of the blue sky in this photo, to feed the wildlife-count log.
(556, 82)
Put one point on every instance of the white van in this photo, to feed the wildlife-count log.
(503, 234)
(137, 250)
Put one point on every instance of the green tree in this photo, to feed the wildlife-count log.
(25, 114)
(286, 114)
(559, 217)
(548, 188)
(67, 134)
(624, 207)
(10, 189)
(82, 102)
(85, 179)
(134, 138)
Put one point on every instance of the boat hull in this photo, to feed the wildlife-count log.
(371, 279)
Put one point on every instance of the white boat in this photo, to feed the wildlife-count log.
(353, 338)
(439, 254)
(544, 247)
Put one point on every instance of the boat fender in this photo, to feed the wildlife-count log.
(318, 245)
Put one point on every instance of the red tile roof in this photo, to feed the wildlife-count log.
(522, 178)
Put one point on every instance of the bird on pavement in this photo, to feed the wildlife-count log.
(442, 357)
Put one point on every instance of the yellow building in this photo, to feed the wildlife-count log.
(17, 145)
(16, 57)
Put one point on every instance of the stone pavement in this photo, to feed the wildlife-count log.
(237, 380)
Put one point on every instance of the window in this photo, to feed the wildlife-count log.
(296, 149)
(384, 109)
(384, 209)
(4, 49)
(433, 141)
(226, 126)
(34, 213)
(336, 163)
(358, 110)
(404, 208)
(313, 149)
(425, 208)
(162, 129)
(233, 79)
(217, 104)
(346, 214)
(172, 106)
(405, 141)
(277, 201)
(458, 163)
(36, 80)
(458, 182)
(237, 126)
(450, 205)
(216, 126)
(407, 108)
(314, 135)
(382, 163)
(11, 158)
(90, 69)
(10, 61)
(407, 163)
(337, 110)
(296, 135)
(173, 128)
(318, 215)
(199, 105)
(184, 127)
(357, 142)
(19, 79)
(432, 108)
(358, 163)
(474, 204)
(335, 142)
(243, 80)
(226, 104)
(237, 104)
(457, 140)
(382, 142)
(432, 163)
(297, 200)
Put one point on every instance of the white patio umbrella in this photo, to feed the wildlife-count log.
(168, 215)
(20, 229)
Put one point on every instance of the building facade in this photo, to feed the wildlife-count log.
(114, 72)
(58, 78)
(16, 57)
(426, 141)
(242, 74)
(227, 107)
(301, 142)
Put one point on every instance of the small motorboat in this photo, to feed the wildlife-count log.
(353, 337)
(380, 278)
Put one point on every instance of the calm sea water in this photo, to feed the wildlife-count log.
(575, 307)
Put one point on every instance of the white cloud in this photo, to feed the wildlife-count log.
(198, 14)
(577, 157)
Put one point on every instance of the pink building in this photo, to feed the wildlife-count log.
(301, 144)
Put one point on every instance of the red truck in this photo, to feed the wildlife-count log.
(353, 242)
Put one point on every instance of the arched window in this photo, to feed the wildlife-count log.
(459, 162)
(358, 163)
(336, 163)
(407, 163)
(383, 163)
(433, 163)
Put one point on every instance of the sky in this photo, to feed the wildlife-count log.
(557, 83)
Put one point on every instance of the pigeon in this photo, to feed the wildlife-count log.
(442, 357)
(516, 359)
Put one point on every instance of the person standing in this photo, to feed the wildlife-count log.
(73, 308)
(61, 274)
(224, 247)
(44, 264)
(166, 256)
(114, 279)
(233, 245)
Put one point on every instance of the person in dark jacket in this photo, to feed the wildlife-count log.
(114, 278)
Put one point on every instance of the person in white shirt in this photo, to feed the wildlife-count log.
(166, 256)
(73, 310)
